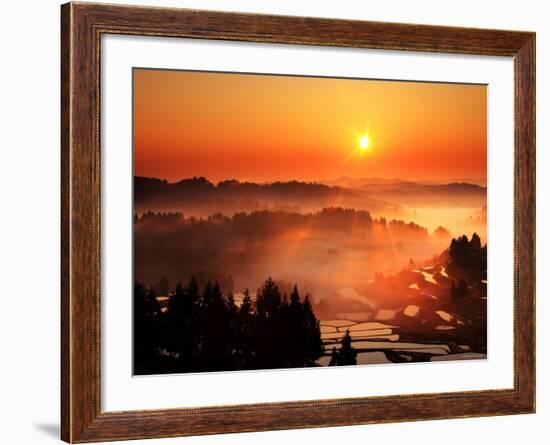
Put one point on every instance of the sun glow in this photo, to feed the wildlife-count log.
(364, 142)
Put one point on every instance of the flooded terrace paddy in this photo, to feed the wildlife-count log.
(378, 343)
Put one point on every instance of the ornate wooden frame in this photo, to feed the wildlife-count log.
(82, 25)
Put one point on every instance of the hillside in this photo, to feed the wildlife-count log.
(414, 194)
(200, 197)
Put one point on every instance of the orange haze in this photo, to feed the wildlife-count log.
(265, 128)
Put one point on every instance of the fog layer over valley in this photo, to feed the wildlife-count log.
(325, 237)
(325, 250)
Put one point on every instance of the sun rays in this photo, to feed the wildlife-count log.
(361, 144)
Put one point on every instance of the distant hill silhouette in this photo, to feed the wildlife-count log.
(408, 193)
(200, 197)
(345, 181)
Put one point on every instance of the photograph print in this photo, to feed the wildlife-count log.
(285, 221)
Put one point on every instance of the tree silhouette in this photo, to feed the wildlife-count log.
(313, 343)
(334, 357)
(216, 329)
(163, 287)
(269, 299)
(146, 327)
(297, 332)
(469, 254)
(460, 292)
(462, 289)
(269, 351)
(475, 243)
(208, 331)
(453, 292)
(459, 250)
(246, 330)
(183, 329)
(347, 354)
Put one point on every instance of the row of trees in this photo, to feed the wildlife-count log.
(202, 278)
(208, 331)
(263, 223)
(469, 253)
(471, 257)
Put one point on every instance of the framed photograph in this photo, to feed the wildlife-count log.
(274, 222)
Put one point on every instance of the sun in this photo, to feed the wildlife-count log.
(361, 144)
(364, 142)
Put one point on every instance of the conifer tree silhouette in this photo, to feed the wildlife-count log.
(208, 331)
(347, 354)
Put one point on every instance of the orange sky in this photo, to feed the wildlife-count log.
(265, 128)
